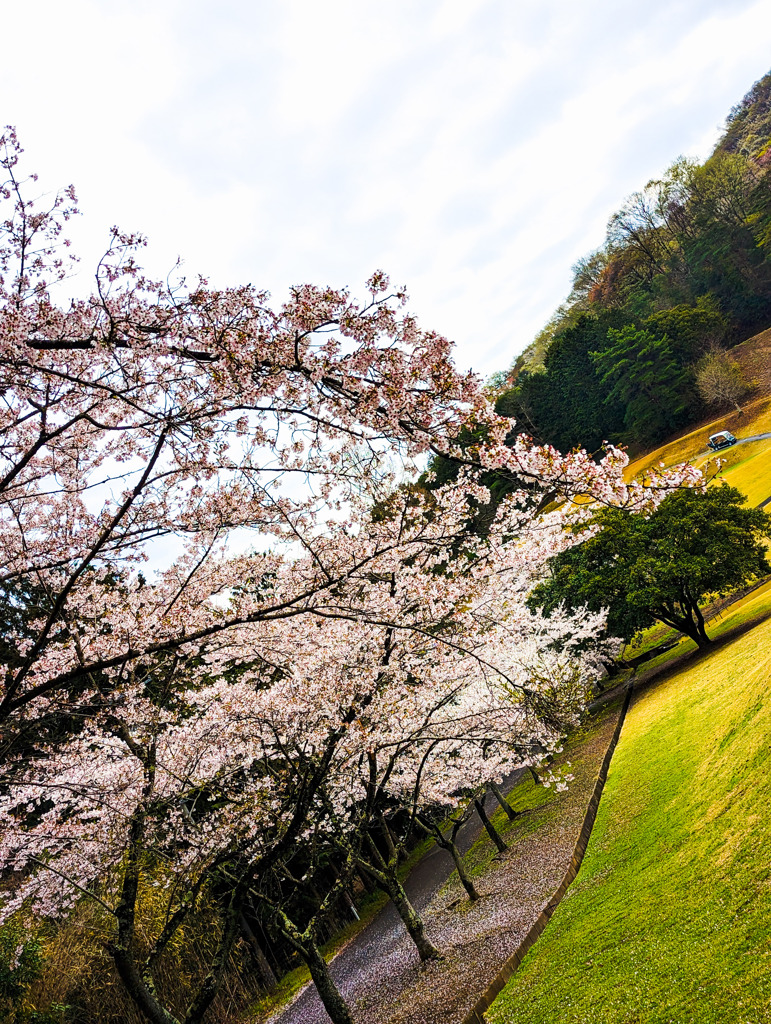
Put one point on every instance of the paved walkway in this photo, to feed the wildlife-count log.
(379, 972)
(371, 950)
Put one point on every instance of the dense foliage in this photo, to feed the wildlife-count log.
(661, 566)
(684, 270)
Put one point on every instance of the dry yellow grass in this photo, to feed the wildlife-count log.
(692, 447)
(751, 474)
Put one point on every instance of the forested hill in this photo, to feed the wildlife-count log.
(641, 347)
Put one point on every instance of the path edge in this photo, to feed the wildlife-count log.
(510, 967)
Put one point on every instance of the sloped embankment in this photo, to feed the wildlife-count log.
(670, 917)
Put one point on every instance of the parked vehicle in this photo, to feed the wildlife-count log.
(723, 439)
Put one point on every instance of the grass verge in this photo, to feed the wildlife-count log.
(750, 474)
(539, 805)
(669, 919)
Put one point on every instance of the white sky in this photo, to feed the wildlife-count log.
(474, 149)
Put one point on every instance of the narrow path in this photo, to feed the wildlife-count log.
(756, 437)
(357, 966)
(379, 972)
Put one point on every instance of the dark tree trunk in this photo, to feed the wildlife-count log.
(138, 983)
(447, 842)
(491, 831)
(385, 873)
(329, 993)
(412, 921)
(141, 990)
(210, 985)
(267, 974)
(366, 880)
(463, 875)
(511, 814)
(690, 623)
(701, 637)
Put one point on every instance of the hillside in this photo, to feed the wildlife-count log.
(747, 465)
(646, 342)
(748, 126)
(754, 419)
(754, 358)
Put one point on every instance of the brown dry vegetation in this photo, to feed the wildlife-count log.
(79, 971)
(754, 359)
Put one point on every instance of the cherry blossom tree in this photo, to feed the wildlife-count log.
(195, 775)
(213, 623)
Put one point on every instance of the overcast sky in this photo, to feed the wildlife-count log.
(474, 149)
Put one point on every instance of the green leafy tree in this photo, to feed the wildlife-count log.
(748, 126)
(720, 238)
(567, 405)
(661, 566)
(640, 372)
(691, 330)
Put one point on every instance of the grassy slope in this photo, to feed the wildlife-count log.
(692, 447)
(754, 607)
(751, 472)
(669, 921)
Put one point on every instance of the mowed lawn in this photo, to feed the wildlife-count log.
(669, 921)
(750, 471)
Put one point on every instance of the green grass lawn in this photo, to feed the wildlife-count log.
(752, 473)
(669, 921)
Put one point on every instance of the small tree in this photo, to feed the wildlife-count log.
(720, 380)
(661, 566)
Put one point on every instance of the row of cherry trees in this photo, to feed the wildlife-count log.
(232, 630)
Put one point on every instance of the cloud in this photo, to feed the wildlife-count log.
(473, 149)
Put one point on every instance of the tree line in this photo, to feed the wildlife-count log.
(243, 660)
(684, 273)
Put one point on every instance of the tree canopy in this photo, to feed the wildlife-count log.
(641, 567)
